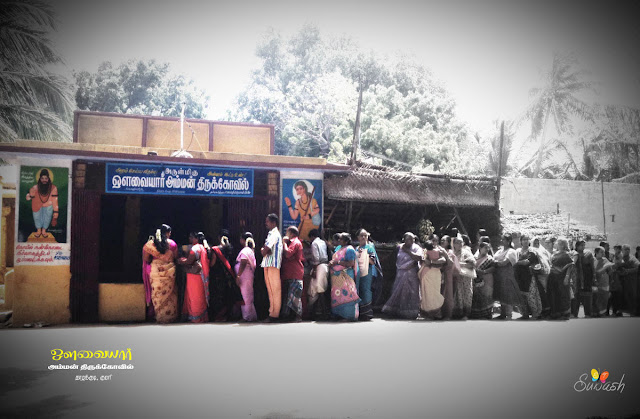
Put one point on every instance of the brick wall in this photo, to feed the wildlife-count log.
(583, 200)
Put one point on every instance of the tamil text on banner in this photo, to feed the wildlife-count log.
(178, 180)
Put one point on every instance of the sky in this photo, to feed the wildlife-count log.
(488, 54)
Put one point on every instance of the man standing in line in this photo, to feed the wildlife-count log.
(585, 277)
(628, 274)
(616, 301)
(292, 273)
(271, 261)
(320, 271)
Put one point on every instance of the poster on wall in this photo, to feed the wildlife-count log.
(301, 203)
(42, 216)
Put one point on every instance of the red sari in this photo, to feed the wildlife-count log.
(196, 294)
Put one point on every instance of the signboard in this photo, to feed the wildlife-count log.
(147, 179)
(42, 254)
(43, 207)
(301, 202)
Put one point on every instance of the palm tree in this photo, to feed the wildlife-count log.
(34, 103)
(507, 147)
(557, 100)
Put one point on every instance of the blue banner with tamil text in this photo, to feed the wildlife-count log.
(159, 179)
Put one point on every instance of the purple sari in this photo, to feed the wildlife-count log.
(405, 294)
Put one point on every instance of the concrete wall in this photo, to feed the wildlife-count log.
(41, 293)
(164, 133)
(583, 200)
(121, 303)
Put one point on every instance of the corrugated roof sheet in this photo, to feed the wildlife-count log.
(378, 186)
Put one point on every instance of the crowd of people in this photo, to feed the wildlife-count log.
(448, 277)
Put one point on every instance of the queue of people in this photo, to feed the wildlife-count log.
(446, 278)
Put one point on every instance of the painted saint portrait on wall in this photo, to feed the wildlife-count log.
(302, 205)
(43, 206)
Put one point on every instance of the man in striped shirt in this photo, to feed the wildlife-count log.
(271, 261)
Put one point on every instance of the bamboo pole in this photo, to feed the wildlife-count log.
(604, 216)
(356, 130)
(500, 154)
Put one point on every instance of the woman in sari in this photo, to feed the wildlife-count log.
(226, 297)
(603, 269)
(158, 255)
(450, 269)
(431, 299)
(463, 280)
(343, 266)
(245, 270)
(525, 277)
(369, 267)
(405, 294)
(482, 305)
(196, 293)
(506, 288)
(561, 279)
(541, 272)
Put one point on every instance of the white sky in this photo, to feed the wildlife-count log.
(488, 53)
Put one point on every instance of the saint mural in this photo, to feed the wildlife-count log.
(44, 204)
(303, 210)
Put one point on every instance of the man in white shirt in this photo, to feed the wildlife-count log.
(320, 268)
(271, 262)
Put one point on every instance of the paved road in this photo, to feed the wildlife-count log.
(381, 369)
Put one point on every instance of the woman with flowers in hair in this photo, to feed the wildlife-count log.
(159, 276)
(245, 269)
(196, 294)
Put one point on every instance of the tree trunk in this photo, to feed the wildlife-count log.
(541, 146)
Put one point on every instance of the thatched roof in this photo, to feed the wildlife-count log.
(547, 225)
(370, 185)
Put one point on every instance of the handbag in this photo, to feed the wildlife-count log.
(468, 272)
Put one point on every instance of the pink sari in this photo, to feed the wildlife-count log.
(245, 282)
